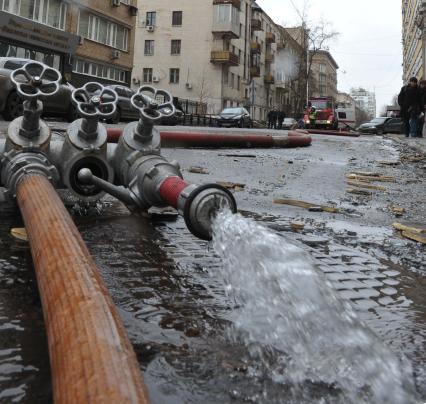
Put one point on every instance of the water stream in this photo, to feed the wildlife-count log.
(295, 324)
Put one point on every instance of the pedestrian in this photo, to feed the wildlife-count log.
(272, 119)
(410, 102)
(421, 127)
(281, 117)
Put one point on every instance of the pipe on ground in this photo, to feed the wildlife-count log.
(332, 132)
(216, 139)
(91, 357)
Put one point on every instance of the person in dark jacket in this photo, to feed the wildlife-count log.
(409, 100)
(421, 123)
(281, 116)
(272, 119)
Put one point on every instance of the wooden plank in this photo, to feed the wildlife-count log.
(360, 184)
(414, 236)
(305, 205)
(364, 178)
(358, 191)
(410, 227)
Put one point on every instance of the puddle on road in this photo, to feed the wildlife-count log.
(167, 286)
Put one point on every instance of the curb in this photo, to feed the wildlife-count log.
(418, 148)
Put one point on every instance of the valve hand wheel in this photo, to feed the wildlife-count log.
(93, 100)
(35, 80)
(153, 104)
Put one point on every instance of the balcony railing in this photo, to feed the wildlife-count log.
(270, 37)
(256, 24)
(224, 57)
(269, 58)
(269, 79)
(226, 28)
(255, 47)
(235, 3)
(255, 71)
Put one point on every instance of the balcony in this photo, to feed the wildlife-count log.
(255, 47)
(255, 71)
(269, 58)
(256, 24)
(224, 57)
(270, 37)
(269, 79)
(235, 3)
(230, 28)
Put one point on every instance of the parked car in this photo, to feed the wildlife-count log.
(11, 104)
(125, 110)
(234, 117)
(394, 125)
(289, 123)
(374, 127)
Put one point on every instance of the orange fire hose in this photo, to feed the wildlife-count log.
(91, 357)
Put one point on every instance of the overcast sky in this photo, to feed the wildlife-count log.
(368, 49)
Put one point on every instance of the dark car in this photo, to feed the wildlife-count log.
(234, 117)
(125, 110)
(394, 125)
(374, 127)
(11, 104)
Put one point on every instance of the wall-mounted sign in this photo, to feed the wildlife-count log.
(36, 34)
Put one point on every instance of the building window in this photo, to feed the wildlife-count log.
(149, 47)
(151, 17)
(175, 45)
(99, 70)
(322, 67)
(102, 30)
(232, 80)
(174, 76)
(48, 12)
(177, 18)
(47, 58)
(323, 84)
(147, 75)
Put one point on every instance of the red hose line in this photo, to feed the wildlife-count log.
(205, 139)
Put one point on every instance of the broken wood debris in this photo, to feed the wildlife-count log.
(397, 210)
(232, 185)
(306, 205)
(389, 162)
(248, 156)
(410, 227)
(368, 178)
(19, 233)
(198, 170)
(415, 236)
(360, 184)
(297, 226)
(359, 191)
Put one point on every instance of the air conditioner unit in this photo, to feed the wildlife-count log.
(188, 86)
(155, 79)
(150, 28)
(115, 3)
(115, 54)
(136, 80)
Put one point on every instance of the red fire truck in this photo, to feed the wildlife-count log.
(320, 114)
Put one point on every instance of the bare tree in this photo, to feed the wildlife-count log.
(315, 37)
(204, 92)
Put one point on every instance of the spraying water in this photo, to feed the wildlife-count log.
(287, 311)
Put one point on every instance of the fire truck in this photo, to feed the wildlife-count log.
(320, 114)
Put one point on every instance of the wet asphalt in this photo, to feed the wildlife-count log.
(163, 279)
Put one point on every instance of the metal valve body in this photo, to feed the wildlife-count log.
(84, 163)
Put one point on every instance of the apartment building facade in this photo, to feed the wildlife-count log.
(214, 53)
(323, 81)
(413, 38)
(366, 100)
(85, 40)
